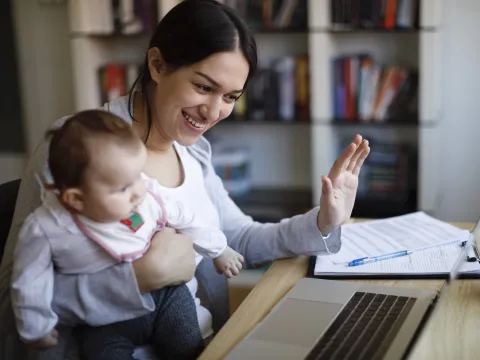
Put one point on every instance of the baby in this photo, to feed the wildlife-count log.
(96, 162)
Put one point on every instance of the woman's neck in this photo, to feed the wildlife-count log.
(156, 142)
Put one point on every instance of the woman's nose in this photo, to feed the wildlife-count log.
(211, 111)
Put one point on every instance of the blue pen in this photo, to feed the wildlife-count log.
(367, 260)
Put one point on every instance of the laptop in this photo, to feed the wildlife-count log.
(332, 319)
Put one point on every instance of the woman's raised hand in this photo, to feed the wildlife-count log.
(339, 188)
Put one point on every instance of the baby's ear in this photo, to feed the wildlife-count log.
(73, 198)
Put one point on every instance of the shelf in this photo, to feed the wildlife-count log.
(107, 36)
(265, 122)
(349, 30)
(274, 204)
(281, 31)
(261, 31)
(143, 34)
(375, 123)
(382, 124)
(335, 123)
(378, 208)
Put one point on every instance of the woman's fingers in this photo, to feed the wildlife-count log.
(343, 161)
(357, 139)
(359, 163)
(358, 153)
(327, 189)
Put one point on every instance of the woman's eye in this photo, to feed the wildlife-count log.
(204, 88)
(231, 98)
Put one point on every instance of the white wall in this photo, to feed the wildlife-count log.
(11, 166)
(45, 65)
(460, 177)
(43, 53)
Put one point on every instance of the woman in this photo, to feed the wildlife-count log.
(198, 63)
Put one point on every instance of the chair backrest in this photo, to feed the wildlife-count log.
(8, 199)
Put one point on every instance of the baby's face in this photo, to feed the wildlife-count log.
(113, 185)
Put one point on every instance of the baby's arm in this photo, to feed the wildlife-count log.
(32, 286)
(207, 241)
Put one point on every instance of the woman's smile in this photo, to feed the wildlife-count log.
(193, 122)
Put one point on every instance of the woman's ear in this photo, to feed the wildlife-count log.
(73, 198)
(156, 64)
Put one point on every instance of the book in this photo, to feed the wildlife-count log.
(374, 14)
(434, 245)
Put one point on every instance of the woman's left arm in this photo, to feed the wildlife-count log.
(300, 235)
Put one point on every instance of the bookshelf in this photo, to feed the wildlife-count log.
(289, 156)
(416, 47)
(96, 41)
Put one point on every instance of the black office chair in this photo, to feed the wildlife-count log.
(8, 198)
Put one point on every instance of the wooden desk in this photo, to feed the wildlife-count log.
(451, 332)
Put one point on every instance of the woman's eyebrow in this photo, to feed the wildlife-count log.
(216, 84)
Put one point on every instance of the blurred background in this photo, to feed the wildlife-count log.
(403, 73)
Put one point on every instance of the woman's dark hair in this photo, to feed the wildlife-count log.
(190, 32)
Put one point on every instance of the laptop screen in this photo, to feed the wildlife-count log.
(461, 259)
(476, 230)
(464, 253)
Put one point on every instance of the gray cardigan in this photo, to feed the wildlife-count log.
(85, 294)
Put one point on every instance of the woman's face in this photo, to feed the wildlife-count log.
(192, 99)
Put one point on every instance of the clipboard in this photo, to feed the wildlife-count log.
(441, 276)
(425, 262)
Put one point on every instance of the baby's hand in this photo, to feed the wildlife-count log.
(48, 341)
(229, 262)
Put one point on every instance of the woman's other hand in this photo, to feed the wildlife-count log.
(48, 341)
(339, 188)
(169, 261)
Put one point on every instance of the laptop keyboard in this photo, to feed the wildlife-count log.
(364, 329)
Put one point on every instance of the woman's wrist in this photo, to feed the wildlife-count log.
(325, 233)
(324, 228)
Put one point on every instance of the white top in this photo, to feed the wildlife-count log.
(129, 239)
(193, 194)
